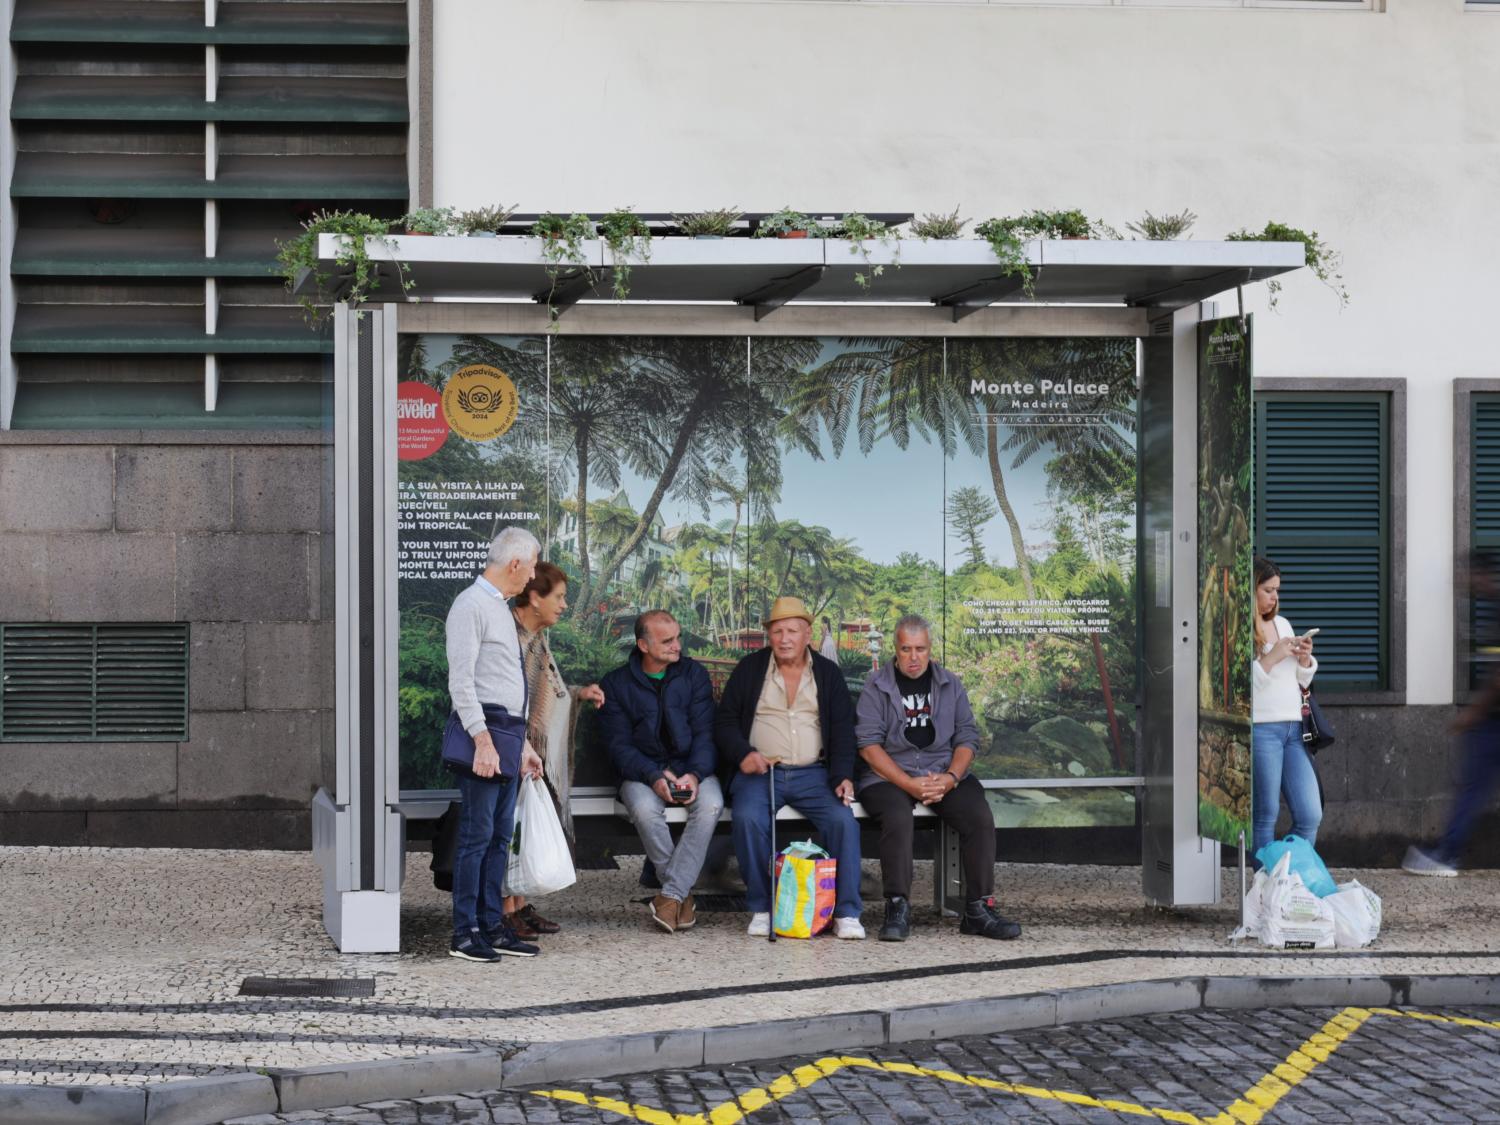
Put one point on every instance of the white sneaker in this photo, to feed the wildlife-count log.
(1418, 862)
(760, 925)
(849, 929)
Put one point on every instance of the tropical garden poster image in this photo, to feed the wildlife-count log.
(1225, 583)
(872, 477)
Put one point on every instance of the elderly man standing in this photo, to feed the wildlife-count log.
(917, 734)
(658, 719)
(488, 686)
(787, 709)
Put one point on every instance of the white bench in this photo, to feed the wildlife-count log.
(602, 801)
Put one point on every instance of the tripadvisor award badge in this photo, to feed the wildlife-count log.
(480, 402)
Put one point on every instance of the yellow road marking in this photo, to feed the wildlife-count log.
(1249, 1109)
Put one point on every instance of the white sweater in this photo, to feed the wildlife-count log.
(1277, 694)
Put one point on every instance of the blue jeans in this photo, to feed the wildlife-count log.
(807, 790)
(485, 819)
(1476, 785)
(1282, 766)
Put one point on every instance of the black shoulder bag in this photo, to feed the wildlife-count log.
(1316, 733)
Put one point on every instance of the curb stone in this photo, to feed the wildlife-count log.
(207, 1101)
(212, 1100)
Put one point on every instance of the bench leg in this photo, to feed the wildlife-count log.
(947, 873)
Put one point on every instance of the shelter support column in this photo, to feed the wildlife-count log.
(1178, 867)
(357, 832)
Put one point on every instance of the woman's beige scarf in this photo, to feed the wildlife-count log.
(544, 681)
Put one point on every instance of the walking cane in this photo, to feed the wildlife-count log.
(771, 781)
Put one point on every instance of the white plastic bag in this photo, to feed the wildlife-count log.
(540, 863)
(1292, 917)
(1356, 915)
(1254, 912)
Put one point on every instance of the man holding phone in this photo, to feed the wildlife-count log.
(658, 720)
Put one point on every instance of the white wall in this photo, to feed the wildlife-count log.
(1381, 131)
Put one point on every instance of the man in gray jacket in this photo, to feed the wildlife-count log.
(916, 734)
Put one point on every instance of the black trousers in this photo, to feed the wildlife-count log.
(965, 810)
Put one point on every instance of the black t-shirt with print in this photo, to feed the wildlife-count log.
(917, 696)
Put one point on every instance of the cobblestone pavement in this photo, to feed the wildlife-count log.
(1293, 1065)
(125, 965)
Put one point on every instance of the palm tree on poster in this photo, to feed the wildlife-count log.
(897, 386)
(697, 410)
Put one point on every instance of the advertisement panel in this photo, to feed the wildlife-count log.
(987, 485)
(1226, 592)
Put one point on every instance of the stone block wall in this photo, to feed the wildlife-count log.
(225, 531)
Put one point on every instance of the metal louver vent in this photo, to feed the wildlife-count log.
(93, 683)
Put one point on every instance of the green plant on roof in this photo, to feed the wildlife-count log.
(483, 220)
(1008, 237)
(627, 236)
(709, 223)
(353, 267)
(1322, 259)
(788, 222)
(562, 238)
(430, 220)
(861, 230)
(934, 225)
(1162, 228)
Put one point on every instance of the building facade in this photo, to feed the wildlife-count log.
(163, 461)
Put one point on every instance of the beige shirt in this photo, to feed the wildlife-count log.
(788, 731)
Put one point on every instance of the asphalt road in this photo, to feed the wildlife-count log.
(1289, 1065)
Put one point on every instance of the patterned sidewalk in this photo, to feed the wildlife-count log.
(121, 966)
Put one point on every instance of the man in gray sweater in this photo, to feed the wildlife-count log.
(486, 681)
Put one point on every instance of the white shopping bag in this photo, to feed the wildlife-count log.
(540, 863)
(1292, 917)
(1356, 915)
(1254, 913)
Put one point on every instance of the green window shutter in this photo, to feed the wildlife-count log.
(1484, 522)
(93, 683)
(1323, 515)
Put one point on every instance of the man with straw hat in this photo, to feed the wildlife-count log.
(786, 722)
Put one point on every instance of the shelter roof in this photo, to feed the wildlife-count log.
(959, 275)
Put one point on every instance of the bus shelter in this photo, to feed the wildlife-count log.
(1052, 465)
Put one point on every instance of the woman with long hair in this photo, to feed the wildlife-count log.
(1283, 666)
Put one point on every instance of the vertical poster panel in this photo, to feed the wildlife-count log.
(471, 437)
(648, 441)
(1226, 595)
(1041, 613)
(848, 490)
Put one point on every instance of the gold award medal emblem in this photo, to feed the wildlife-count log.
(480, 402)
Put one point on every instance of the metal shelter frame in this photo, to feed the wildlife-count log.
(763, 287)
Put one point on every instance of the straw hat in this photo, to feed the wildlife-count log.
(782, 608)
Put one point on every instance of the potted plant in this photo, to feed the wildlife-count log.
(861, 230)
(934, 226)
(562, 238)
(627, 235)
(299, 256)
(708, 224)
(1162, 228)
(787, 223)
(1008, 237)
(483, 222)
(430, 220)
(1322, 259)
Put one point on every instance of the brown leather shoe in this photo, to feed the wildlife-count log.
(687, 914)
(536, 921)
(516, 920)
(664, 912)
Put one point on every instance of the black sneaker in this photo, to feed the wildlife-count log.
(981, 918)
(897, 924)
(505, 943)
(473, 947)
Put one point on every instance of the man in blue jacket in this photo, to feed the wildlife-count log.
(658, 719)
(917, 735)
(787, 708)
